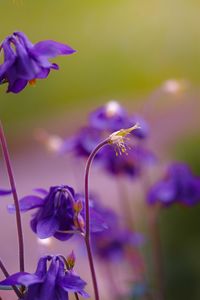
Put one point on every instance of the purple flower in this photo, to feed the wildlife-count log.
(83, 142)
(25, 62)
(130, 165)
(59, 212)
(141, 132)
(178, 186)
(48, 282)
(111, 244)
(110, 117)
(5, 192)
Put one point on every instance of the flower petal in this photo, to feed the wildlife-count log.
(73, 283)
(5, 192)
(47, 227)
(27, 203)
(17, 86)
(50, 49)
(49, 286)
(21, 278)
(163, 191)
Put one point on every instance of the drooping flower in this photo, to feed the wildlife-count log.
(179, 185)
(59, 213)
(48, 282)
(25, 62)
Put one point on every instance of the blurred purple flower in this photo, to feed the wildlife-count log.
(110, 117)
(141, 132)
(25, 62)
(59, 211)
(178, 186)
(111, 244)
(5, 192)
(83, 142)
(130, 165)
(53, 282)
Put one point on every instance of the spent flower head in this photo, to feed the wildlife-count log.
(119, 139)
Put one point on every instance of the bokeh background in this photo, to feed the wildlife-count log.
(127, 49)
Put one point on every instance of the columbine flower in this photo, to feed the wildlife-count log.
(178, 186)
(53, 282)
(119, 138)
(59, 213)
(25, 62)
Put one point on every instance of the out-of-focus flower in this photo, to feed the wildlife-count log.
(143, 130)
(111, 117)
(130, 165)
(48, 282)
(111, 244)
(25, 62)
(178, 186)
(57, 213)
(5, 192)
(83, 142)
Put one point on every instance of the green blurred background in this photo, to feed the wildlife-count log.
(126, 48)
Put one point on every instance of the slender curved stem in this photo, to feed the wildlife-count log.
(15, 197)
(6, 274)
(87, 216)
(87, 170)
(157, 253)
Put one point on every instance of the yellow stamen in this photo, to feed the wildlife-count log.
(119, 137)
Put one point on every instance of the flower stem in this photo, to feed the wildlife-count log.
(76, 296)
(87, 216)
(157, 253)
(15, 197)
(6, 274)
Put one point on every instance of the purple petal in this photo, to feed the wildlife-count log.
(73, 283)
(21, 278)
(50, 49)
(26, 203)
(48, 288)
(17, 86)
(62, 236)
(163, 191)
(47, 227)
(43, 73)
(41, 191)
(5, 192)
(26, 67)
(98, 223)
(42, 266)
